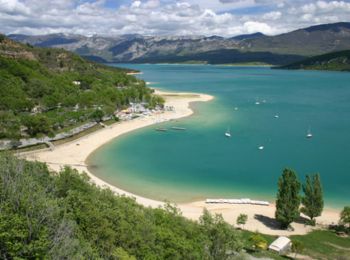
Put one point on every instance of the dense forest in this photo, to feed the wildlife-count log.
(43, 90)
(223, 57)
(61, 215)
(337, 61)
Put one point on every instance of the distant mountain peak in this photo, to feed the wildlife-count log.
(336, 27)
(248, 36)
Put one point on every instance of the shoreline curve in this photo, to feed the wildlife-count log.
(76, 153)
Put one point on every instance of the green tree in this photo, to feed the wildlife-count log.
(242, 219)
(121, 254)
(313, 197)
(223, 238)
(288, 199)
(345, 217)
(97, 115)
(37, 124)
(297, 247)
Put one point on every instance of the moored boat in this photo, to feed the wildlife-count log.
(161, 129)
(178, 128)
(309, 134)
(228, 133)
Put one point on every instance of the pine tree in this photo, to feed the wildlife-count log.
(288, 199)
(313, 197)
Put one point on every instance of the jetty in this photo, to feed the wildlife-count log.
(237, 201)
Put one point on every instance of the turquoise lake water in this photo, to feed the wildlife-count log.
(201, 163)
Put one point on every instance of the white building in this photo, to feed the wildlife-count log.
(281, 245)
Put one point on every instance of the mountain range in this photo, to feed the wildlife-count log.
(133, 48)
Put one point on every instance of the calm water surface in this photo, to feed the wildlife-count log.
(201, 163)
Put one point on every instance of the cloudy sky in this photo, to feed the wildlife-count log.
(167, 17)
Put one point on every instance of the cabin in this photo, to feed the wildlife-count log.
(281, 245)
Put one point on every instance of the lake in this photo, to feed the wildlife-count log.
(201, 162)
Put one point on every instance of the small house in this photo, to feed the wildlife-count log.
(281, 245)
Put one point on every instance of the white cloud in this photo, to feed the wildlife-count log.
(275, 15)
(13, 7)
(253, 27)
(167, 17)
(136, 4)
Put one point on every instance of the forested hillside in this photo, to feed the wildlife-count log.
(63, 216)
(337, 61)
(224, 57)
(44, 90)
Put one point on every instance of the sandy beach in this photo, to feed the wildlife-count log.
(75, 154)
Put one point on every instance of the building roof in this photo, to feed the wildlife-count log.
(280, 244)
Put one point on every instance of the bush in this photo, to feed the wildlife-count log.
(258, 242)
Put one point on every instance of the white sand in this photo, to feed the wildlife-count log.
(76, 152)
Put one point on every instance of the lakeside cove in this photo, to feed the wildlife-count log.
(75, 154)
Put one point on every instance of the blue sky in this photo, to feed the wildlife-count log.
(168, 17)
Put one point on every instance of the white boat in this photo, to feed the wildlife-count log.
(261, 147)
(228, 133)
(277, 116)
(257, 103)
(309, 134)
(178, 128)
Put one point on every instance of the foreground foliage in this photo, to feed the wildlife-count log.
(323, 244)
(63, 216)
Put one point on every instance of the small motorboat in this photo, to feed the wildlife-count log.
(309, 134)
(228, 133)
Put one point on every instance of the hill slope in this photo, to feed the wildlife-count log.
(135, 48)
(309, 41)
(337, 61)
(43, 91)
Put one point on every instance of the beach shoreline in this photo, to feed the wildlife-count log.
(76, 153)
